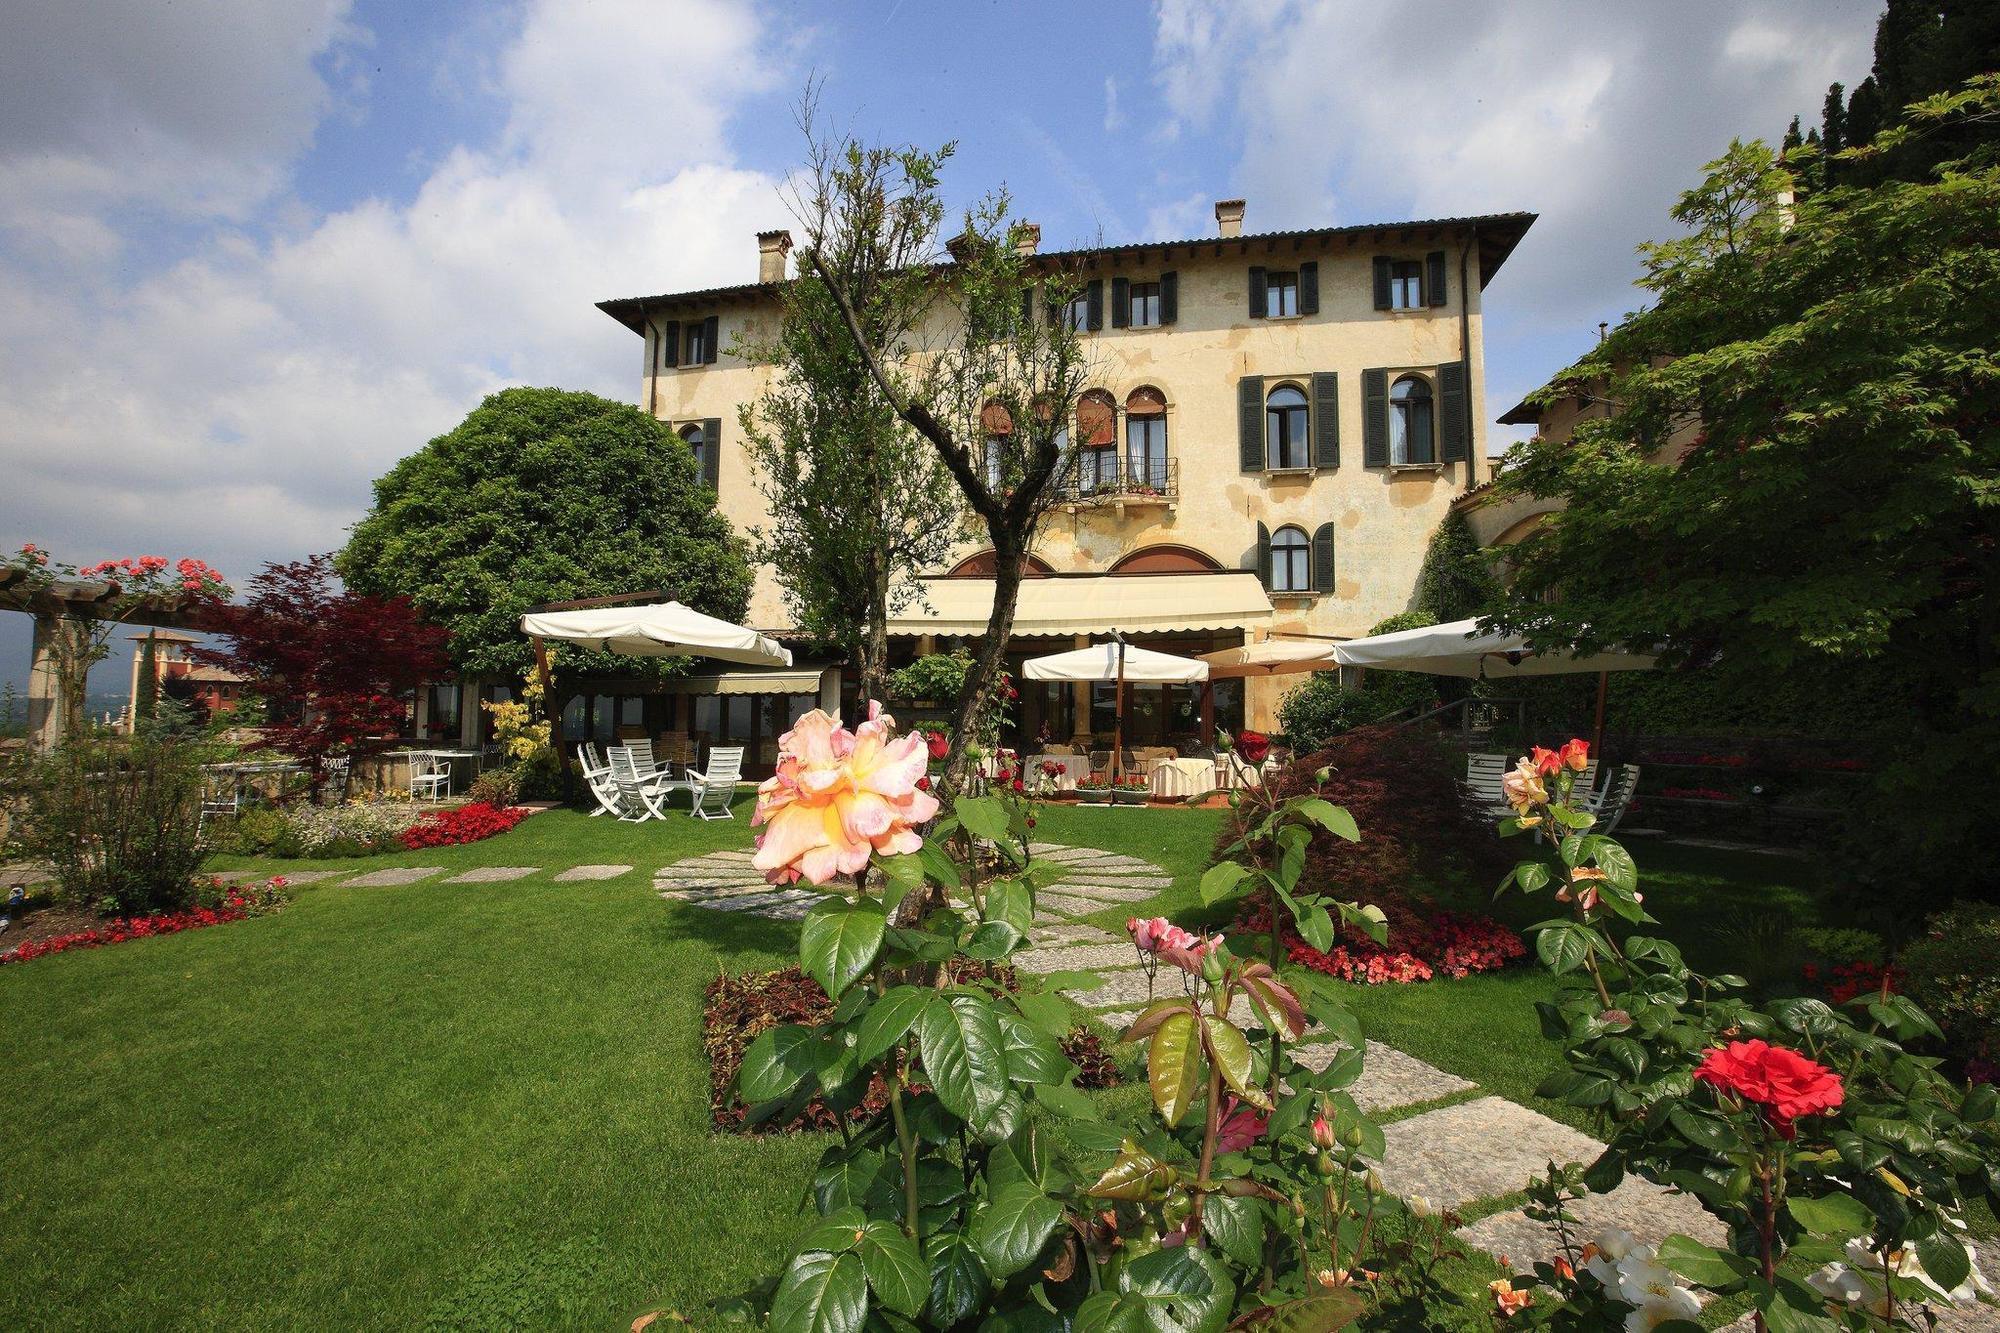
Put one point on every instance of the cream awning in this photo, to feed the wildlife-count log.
(745, 682)
(1063, 605)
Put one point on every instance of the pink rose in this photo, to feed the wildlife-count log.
(839, 797)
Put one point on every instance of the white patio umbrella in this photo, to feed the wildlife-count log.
(1460, 649)
(662, 629)
(1272, 657)
(1117, 661)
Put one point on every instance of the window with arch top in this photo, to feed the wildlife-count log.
(996, 424)
(1287, 429)
(1412, 436)
(1146, 438)
(1096, 440)
(697, 443)
(1291, 560)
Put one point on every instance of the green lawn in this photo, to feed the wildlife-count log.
(486, 1105)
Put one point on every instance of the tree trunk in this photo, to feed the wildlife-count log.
(1008, 551)
(872, 664)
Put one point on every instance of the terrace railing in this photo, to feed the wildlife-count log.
(1099, 476)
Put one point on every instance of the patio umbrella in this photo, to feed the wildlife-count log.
(1461, 649)
(1117, 661)
(662, 629)
(1272, 657)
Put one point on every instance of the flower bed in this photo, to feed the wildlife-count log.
(468, 823)
(739, 1008)
(1420, 947)
(232, 903)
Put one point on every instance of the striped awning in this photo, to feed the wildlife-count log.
(1064, 605)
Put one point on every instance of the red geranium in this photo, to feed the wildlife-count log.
(469, 823)
(1782, 1082)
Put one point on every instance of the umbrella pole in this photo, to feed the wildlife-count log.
(1597, 734)
(1118, 714)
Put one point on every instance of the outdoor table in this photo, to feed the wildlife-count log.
(1231, 772)
(1182, 777)
(1073, 766)
(242, 773)
(453, 756)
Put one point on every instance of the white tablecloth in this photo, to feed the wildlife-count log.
(1073, 766)
(1182, 777)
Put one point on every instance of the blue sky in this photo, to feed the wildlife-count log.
(253, 251)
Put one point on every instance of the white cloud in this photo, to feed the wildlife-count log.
(1114, 118)
(237, 403)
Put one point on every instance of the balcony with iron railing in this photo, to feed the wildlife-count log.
(1100, 476)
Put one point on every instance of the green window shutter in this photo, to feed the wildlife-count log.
(1257, 293)
(670, 345)
(1454, 421)
(1309, 287)
(1322, 558)
(711, 456)
(1434, 290)
(1381, 282)
(709, 329)
(1121, 303)
(1096, 291)
(1375, 418)
(1170, 297)
(1264, 556)
(1250, 422)
(1326, 418)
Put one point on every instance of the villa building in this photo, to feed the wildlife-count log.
(1276, 424)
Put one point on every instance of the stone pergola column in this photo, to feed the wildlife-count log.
(45, 719)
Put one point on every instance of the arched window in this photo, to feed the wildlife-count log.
(697, 442)
(1291, 560)
(1146, 439)
(998, 425)
(1287, 428)
(1411, 439)
(1096, 441)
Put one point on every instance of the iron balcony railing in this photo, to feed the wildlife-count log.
(1102, 475)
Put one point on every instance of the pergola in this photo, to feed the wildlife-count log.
(74, 599)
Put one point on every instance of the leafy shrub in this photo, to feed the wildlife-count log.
(258, 831)
(1836, 946)
(940, 676)
(356, 828)
(119, 821)
(1321, 709)
(1953, 972)
(497, 787)
(468, 823)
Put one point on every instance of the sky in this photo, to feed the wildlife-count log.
(254, 251)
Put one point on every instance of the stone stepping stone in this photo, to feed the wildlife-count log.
(306, 876)
(706, 877)
(1476, 1150)
(592, 872)
(1086, 958)
(392, 876)
(698, 893)
(492, 874)
(1056, 851)
(1127, 987)
(1115, 861)
(1389, 1078)
(1106, 893)
(1067, 904)
(780, 904)
(1638, 1206)
(728, 856)
(1111, 879)
(1071, 932)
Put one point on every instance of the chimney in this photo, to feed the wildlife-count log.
(772, 247)
(1229, 217)
(1027, 238)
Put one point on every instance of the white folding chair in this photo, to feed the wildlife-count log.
(429, 775)
(1609, 803)
(643, 762)
(597, 776)
(221, 794)
(637, 801)
(714, 787)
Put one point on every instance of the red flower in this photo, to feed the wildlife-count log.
(937, 744)
(1782, 1082)
(923, 784)
(1253, 746)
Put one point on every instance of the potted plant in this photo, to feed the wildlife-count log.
(1131, 791)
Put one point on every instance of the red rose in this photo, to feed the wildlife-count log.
(1546, 762)
(923, 784)
(1253, 745)
(937, 744)
(1782, 1082)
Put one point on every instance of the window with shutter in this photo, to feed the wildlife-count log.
(1375, 418)
(1264, 556)
(670, 344)
(1406, 284)
(1121, 303)
(1381, 282)
(1326, 419)
(1170, 298)
(1290, 560)
(1257, 292)
(1454, 421)
(712, 460)
(1143, 301)
(1096, 294)
(1250, 422)
(710, 332)
(1322, 559)
(1434, 277)
(1309, 288)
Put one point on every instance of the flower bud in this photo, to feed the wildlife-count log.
(1420, 1206)
(1325, 1165)
(1375, 1185)
(1211, 967)
(1351, 1136)
(1322, 1131)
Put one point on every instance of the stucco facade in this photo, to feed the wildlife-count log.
(1343, 357)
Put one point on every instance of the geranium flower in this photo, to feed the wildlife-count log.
(838, 797)
(1782, 1083)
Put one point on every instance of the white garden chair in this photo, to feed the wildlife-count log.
(642, 760)
(221, 793)
(1609, 804)
(429, 776)
(638, 800)
(597, 776)
(714, 787)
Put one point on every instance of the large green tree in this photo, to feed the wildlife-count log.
(544, 495)
(1840, 359)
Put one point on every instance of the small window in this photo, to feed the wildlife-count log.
(1281, 295)
(1145, 305)
(1411, 439)
(697, 344)
(996, 461)
(1076, 313)
(1287, 429)
(1406, 284)
(1291, 561)
(1146, 439)
(697, 441)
